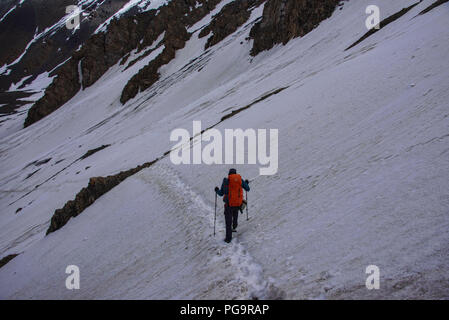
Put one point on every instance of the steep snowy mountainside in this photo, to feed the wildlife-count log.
(39, 41)
(362, 178)
(105, 49)
(175, 19)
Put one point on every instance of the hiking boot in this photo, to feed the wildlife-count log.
(227, 240)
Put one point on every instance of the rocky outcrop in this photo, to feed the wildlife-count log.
(174, 19)
(281, 21)
(284, 20)
(433, 6)
(123, 35)
(12, 100)
(96, 188)
(55, 44)
(231, 17)
(175, 38)
(93, 151)
(64, 87)
(99, 53)
(265, 96)
(6, 259)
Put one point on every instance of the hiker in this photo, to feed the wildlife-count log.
(232, 193)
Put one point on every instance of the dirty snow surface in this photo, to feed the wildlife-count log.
(363, 173)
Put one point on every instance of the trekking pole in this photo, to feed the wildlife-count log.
(247, 215)
(215, 217)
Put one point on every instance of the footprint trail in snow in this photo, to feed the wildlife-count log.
(199, 218)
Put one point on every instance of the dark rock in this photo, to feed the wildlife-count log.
(91, 152)
(228, 20)
(53, 48)
(433, 6)
(383, 24)
(173, 19)
(12, 100)
(265, 96)
(31, 174)
(284, 20)
(62, 89)
(175, 38)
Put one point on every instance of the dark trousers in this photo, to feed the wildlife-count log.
(231, 218)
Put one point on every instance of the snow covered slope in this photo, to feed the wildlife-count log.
(363, 172)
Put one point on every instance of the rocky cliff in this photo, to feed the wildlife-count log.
(282, 20)
(34, 31)
(230, 18)
(123, 35)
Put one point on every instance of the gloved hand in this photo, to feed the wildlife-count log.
(216, 189)
(246, 181)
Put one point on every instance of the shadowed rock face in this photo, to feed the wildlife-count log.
(230, 18)
(63, 87)
(382, 24)
(284, 20)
